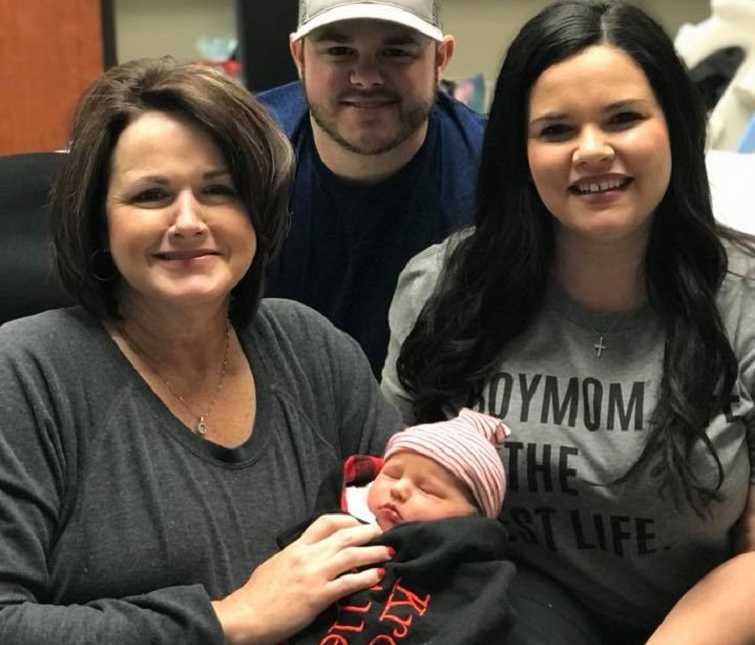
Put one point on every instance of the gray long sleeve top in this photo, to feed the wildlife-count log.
(117, 524)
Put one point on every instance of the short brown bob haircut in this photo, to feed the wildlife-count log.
(258, 154)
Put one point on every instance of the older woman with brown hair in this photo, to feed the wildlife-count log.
(155, 439)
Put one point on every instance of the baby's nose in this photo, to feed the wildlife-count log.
(400, 490)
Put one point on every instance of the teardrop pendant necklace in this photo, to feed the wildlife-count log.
(200, 425)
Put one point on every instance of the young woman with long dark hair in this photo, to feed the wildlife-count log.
(601, 311)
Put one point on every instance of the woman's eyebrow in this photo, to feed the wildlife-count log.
(617, 105)
(549, 116)
(219, 172)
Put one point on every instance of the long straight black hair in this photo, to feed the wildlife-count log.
(494, 280)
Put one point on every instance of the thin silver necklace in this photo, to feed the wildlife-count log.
(200, 425)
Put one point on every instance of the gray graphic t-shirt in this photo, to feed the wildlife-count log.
(578, 390)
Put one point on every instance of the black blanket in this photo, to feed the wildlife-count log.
(446, 585)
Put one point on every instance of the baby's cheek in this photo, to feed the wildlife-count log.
(373, 497)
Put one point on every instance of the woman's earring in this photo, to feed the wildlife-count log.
(102, 267)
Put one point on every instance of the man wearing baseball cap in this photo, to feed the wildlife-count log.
(386, 163)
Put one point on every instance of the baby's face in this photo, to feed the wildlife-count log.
(411, 487)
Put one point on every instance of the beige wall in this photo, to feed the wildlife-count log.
(483, 28)
(159, 27)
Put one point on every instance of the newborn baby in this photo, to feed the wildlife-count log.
(449, 472)
(439, 470)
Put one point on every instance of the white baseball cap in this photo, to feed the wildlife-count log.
(420, 15)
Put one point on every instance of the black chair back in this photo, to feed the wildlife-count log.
(27, 281)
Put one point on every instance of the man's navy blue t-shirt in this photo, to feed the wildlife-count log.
(349, 241)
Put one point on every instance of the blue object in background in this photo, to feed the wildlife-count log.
(747, 144)
(471, 92)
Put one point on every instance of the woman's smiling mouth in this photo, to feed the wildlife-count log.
(595, 186)
(184, 255)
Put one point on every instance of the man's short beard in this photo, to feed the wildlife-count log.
(409, 123)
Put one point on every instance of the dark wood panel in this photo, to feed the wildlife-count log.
(50, 50)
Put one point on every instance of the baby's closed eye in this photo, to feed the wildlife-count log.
(432, 490)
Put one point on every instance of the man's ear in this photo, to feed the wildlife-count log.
(296, 47)
(444, 52)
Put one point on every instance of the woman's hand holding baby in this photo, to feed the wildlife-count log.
(287, 591)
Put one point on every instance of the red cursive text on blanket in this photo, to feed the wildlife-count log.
(395, 619)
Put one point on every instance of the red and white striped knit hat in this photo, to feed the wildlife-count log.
(466, 446)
